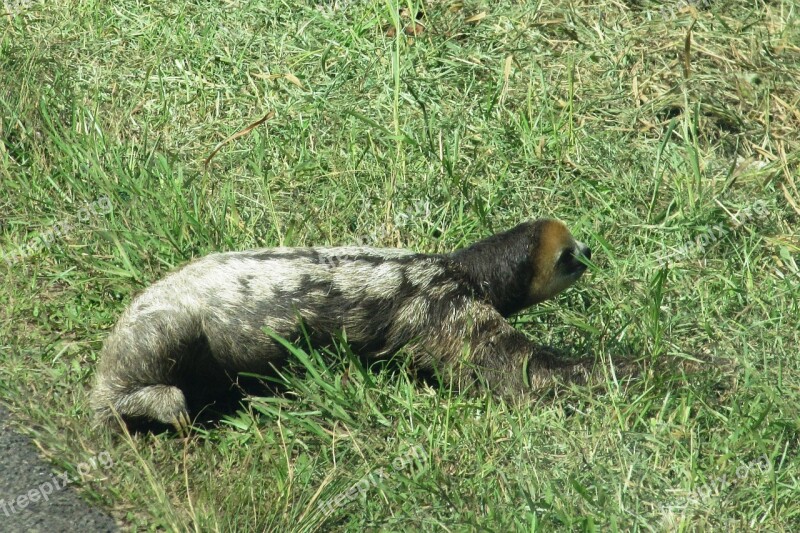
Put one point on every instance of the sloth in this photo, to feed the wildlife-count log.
(223, 314)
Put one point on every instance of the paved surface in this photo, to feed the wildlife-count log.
(25, 477)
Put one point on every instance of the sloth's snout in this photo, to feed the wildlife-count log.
(580, 255)
(584, 251)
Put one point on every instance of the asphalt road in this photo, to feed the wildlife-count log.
(34, 497)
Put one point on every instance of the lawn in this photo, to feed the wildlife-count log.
(665, 136)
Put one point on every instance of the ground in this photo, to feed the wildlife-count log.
(35, 498)
(664, 135)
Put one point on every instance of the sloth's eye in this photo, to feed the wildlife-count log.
(566, 256)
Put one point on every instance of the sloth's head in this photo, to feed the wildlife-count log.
(557, 260)
(527, 264)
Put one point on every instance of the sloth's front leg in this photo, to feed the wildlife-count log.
(511, 365)
(475, 344)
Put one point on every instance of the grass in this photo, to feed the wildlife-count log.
(642, 128)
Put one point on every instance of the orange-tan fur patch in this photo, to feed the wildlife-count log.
(554, 237)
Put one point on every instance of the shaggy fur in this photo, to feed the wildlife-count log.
(204, 323)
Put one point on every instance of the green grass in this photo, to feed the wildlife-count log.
(640, 129)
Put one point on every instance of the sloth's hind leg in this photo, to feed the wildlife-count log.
(161, 403)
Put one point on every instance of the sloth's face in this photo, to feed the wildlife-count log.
(558, 260)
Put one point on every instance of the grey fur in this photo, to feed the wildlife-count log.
(206, 320)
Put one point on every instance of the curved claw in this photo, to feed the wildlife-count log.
(182, 424)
